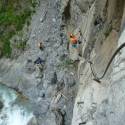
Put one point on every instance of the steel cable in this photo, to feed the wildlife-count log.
(107, 67)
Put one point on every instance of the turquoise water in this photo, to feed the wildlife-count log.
(16, 110)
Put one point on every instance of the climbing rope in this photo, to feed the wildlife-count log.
(96, 78)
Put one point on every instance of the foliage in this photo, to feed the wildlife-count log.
(21, 45)
(13, 15)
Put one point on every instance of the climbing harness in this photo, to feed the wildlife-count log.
(96, 78)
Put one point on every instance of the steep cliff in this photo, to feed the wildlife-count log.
(101, 24)
(64, 91)
(51, 88)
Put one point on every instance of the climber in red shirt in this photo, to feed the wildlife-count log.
(74, 40)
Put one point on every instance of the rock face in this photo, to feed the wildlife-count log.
(1, 105)
(52, 89)
(100, 23)
(33, 121)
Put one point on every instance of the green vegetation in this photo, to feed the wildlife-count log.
(21, 45)
(13, 15)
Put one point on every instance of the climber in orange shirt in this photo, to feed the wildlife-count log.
(74, 40)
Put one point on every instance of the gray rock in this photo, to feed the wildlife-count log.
(54, 78)
(1, 105)
(41, 86)
(54, 20)
(69, 80)
(59, 117)
(33, 121)
(41, 108)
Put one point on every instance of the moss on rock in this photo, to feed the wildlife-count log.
(13, 15)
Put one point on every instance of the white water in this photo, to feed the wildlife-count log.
(12, 113)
